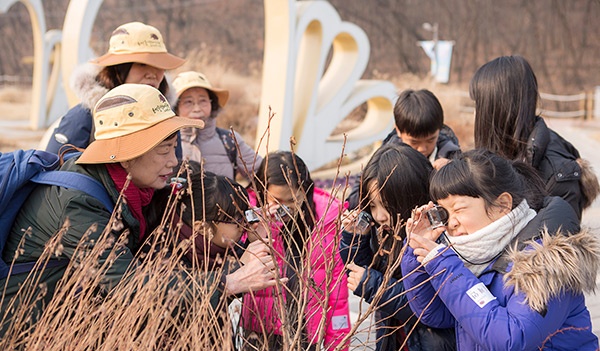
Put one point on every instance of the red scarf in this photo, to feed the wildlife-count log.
(136, 197)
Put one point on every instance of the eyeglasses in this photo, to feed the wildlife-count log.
(189, 103)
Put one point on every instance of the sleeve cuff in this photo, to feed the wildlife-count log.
(433, 253)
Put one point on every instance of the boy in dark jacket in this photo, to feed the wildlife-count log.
(419, 120)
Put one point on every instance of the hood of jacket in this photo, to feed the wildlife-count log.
(555, 264)
(85, 86)
(538, 143)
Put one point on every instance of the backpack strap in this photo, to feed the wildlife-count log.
(26, 267)
(69, 180)
(230, 147)
(78, 181)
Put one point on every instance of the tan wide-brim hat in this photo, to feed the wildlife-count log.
(192, 79)
(140, 43)
(131, 120)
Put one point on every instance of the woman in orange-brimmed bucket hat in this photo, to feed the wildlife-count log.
(136, 54)
(136, 134)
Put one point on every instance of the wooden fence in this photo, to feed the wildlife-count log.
(17, 81)
(583, 105)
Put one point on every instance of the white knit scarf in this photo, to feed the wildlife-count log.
(481, 247)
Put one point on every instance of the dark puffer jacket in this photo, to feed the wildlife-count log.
(45, 212)
(556, 161)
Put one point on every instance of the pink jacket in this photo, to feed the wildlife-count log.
(326, 294)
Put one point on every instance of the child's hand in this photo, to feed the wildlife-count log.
(355, 275)
(421, 237)
(419, 224)
(349, 223)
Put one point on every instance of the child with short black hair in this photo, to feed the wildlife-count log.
(419, 120)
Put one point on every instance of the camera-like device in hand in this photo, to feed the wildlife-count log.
(253, 215)
(363, 221)
(437, 216)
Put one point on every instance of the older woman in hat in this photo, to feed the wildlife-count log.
(137, 54)
(221, 151)
(136, 135)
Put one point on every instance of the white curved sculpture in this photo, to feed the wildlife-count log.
(41, 59)
(308, 98)
(77, 30)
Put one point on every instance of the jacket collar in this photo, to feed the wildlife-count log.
(538, 143)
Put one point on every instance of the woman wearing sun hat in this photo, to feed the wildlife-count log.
(136, 135)
(221, 152)
(137, 54)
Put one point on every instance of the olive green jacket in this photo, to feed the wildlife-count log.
(48, 208)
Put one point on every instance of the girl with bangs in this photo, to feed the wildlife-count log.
(509, 268)
(299, 222)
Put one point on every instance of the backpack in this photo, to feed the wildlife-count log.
(227, 140)
(20, 172)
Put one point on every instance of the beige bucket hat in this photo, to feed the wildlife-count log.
(130, 120)
(141, 43)
(192, 79)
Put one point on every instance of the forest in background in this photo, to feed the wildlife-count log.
(559, 38)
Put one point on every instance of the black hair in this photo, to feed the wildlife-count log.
(505, 91)
(111, 77)
(402, 177)
(214, 103)
(418, 113)
(216, 198)
(483, 174)
(285, 168)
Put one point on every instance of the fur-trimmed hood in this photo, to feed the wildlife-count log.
(85, 86)
(554, 264)
(89, 91)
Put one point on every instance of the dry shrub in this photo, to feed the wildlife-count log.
(159, 304)
(15, 103)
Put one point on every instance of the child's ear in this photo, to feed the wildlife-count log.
(397, 132)
(505, 202)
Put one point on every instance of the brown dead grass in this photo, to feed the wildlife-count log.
(15, 103)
